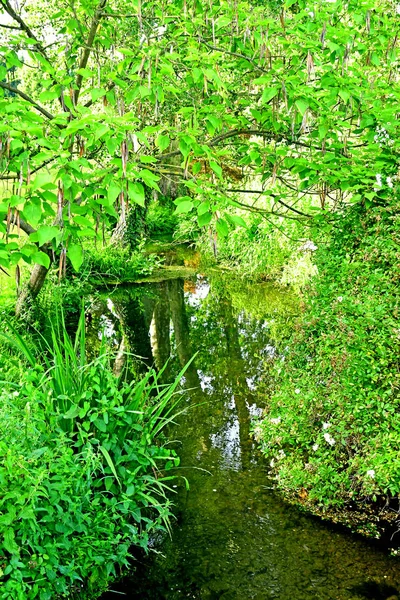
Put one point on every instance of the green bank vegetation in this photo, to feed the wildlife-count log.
(79, 468)
(268, 135)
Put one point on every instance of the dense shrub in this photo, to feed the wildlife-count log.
(79, 471)
(262, 251)
(332, 427)
(117, 263)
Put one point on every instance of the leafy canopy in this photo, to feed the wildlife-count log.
(102, 99)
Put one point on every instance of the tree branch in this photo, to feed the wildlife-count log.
(88, 46)
(242, 56)
(35, 170)
(42, 110)
(22, 25)
(274, 196)
(9, 26)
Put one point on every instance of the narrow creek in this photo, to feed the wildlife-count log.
(233, 537)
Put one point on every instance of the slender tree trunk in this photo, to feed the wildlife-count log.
(30, 291)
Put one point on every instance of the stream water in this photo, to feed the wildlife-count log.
(233, 537)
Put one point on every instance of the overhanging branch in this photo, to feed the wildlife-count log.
(14, 90)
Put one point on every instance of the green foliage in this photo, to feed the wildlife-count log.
(332, 427)
(160, 220)
(196, 94)
(260, 250)
(79, 470)
(117, 263)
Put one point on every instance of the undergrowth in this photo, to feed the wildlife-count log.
(261, 251)
(332, 426)
(80, 479)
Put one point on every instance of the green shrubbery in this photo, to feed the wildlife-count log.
(262, 251)
(332, 427)
(117, 263)
(79, 470)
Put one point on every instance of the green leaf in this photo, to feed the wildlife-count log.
(41, 258)
(97, 93)
(150, 179)
(302, 105)
(110, 463)
(43, 180)
(9, 541)
(136, 193)
(114, 190)
(48, 95)
(236, 220)
(203, 207)
(184, 207)
(46, 233)
(72, 413)
(268, 94)
(85, 73)
(204, 219)
(100, 130)
(222, 228)
(32, 212)
(163, 142)
(75, 255)
(216, 168)
(344, 95)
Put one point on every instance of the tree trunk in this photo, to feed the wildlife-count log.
(31, 289)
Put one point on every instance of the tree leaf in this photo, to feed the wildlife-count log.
(46, 233)
(268, 94)
(75, 255)
(204, 219)
(222, 228)
(302, 105)
(136, 193)
(216, 168)
(184, 207)
(163, 142)
(41, 258)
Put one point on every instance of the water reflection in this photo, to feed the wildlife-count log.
(233, 538)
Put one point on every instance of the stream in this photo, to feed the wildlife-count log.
(233, 537)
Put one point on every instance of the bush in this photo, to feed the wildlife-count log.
(79, 470)
(332, 428)
(117, 263)
(262, 251)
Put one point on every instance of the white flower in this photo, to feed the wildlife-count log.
(258, 432)
(297, 391)
(340, 299)
(315, 447)
(326, 425)
(272, 463)
(276, 420)
(308, 245)
(16, 394)
(371, 473)
(378, 177)
(329, 439)
(397, 9)
(389, 182)
(281, 454)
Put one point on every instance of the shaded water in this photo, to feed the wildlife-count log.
(233, 538)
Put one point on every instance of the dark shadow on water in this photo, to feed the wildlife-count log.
(376, 591)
